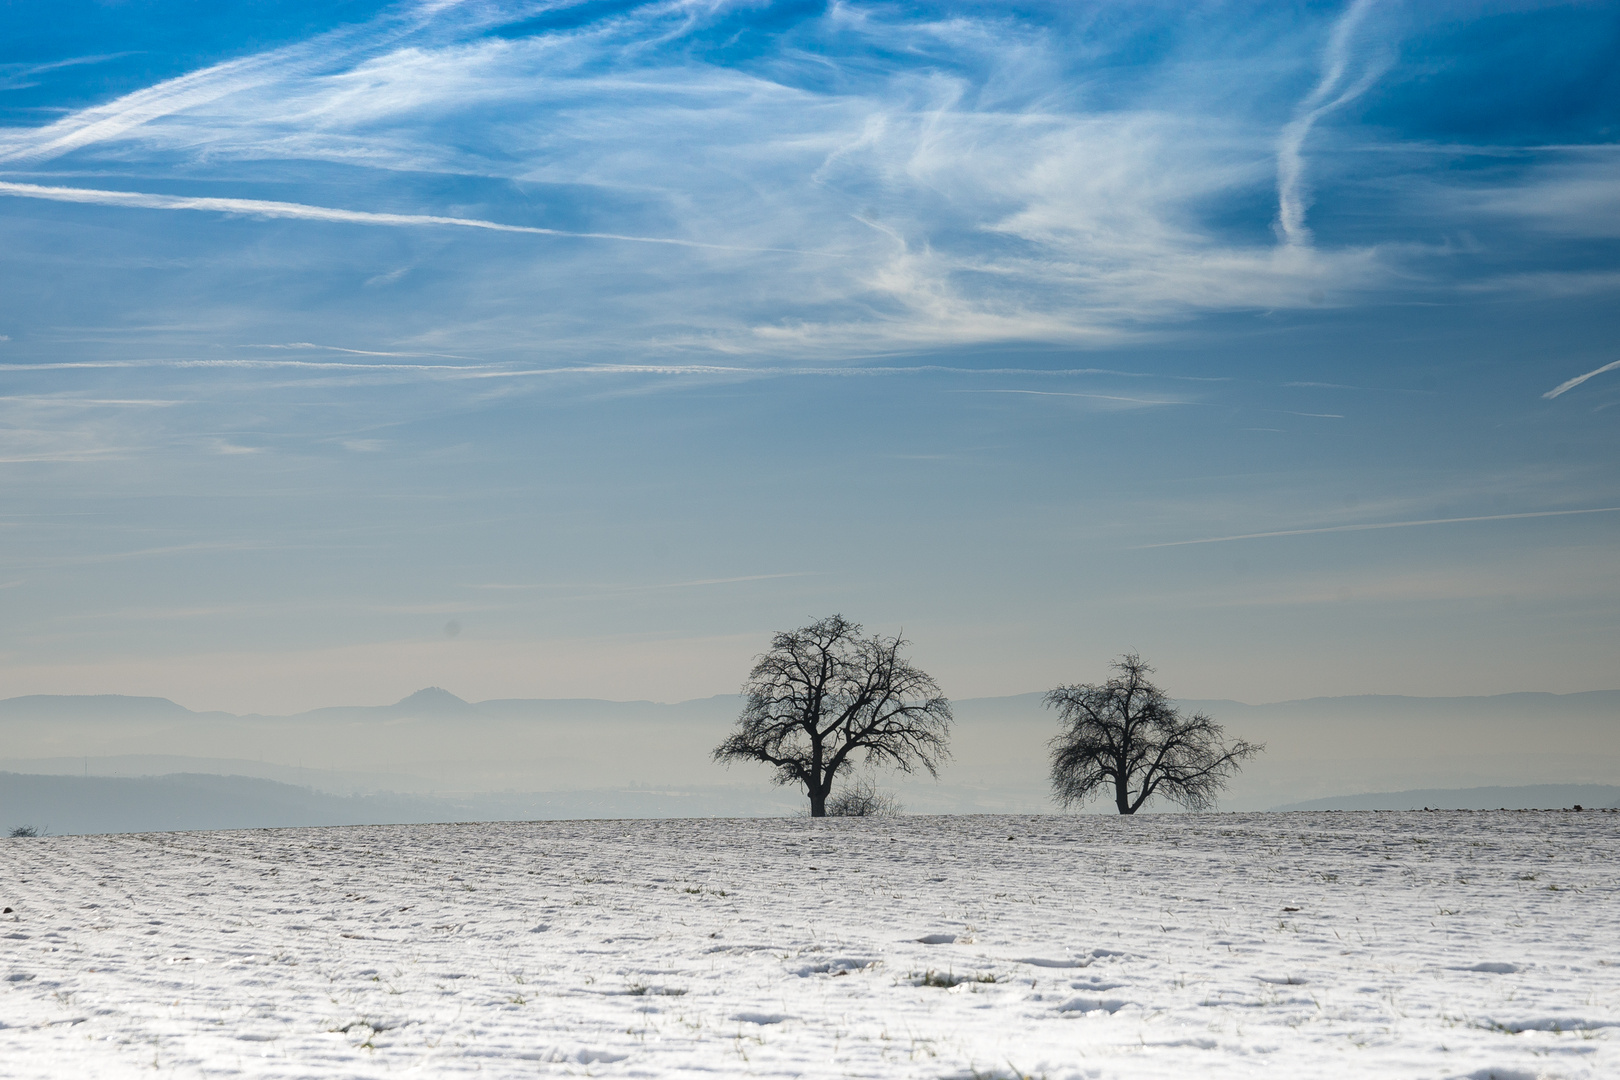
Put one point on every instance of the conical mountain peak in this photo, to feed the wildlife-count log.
(433, 699)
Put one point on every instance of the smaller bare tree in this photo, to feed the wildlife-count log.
(824, 696)
(1127, 733)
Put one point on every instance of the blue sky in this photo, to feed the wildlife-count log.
(569, 349)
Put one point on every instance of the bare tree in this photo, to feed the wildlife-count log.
(824, 695)
(1127, 733)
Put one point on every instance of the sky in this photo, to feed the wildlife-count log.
(571, 349)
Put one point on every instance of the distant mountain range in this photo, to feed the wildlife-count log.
(433, 754)
(1526, 797)
(63, 805)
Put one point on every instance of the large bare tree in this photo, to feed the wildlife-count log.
(1127, 733)
(824, 695)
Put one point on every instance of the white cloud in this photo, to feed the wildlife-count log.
(1577, 198)
(924, 206)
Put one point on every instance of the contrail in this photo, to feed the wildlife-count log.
(266, 208)
(1380, 525)
(1073, 394)
(318, 365)
(507, 371)
(1319, 102)
(1571, 384)
(916, 369)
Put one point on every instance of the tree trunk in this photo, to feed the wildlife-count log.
(818, 790)
(1122, 795)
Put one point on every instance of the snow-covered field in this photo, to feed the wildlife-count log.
(1286, 945)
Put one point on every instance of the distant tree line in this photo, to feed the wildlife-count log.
(825, 698)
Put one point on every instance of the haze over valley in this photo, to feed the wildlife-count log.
(535, 759)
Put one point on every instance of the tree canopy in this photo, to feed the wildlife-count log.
(1126, 732)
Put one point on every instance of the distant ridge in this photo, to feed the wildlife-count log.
(189, 801)
(65, 805)
(93, 707)
(1515, 701)
(1527, 797)
(434, 700)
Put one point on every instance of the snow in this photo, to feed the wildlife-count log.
(1225, 945)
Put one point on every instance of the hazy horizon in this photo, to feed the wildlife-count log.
(429, 691)
(529, 758)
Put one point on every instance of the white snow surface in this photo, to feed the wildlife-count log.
(1223, 945)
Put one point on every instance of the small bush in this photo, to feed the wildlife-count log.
(946, 979)
(27, 830)
(863, 799)
(643, 990)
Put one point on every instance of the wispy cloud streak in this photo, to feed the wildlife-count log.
(1076, 394)
(21, 76)
(592, 587)
(1570, 384)
(123, 116)
(1380, 525)
(1329, 93)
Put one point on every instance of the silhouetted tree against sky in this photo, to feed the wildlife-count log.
(1128, 734)
(824, 695)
